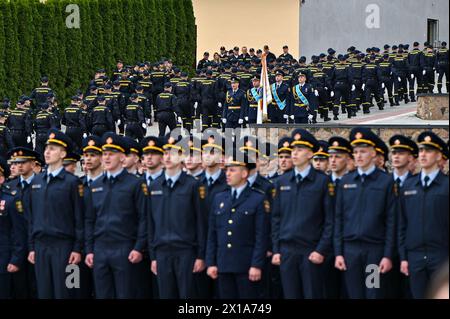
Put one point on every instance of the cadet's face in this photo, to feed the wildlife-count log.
(236, 175)
(302, 79)
(279, 78)
(301, 156)
(13, 170)
(429, 157)
(320, 164)
(211, 158)
(71, 168)
(379, 161)
(151, 160)
(338, 162)
(53, 154)
(285, 162)
(92, 161)
(25, 168)
(255, 84)
(412, 166)
(234, 85)
(112, 161)
(364, 156)
(351, 164)
(193, 162)
(285, 50)
(401, 159)
(131, 160)
(172, 159)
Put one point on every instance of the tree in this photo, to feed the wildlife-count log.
(151, 36)
(11, 61)
(2, 50)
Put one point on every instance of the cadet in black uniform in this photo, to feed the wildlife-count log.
(371, 85)
(167, 111)
(423, 226)
(385, 78)
(20, 124)
(6, 141)
(235, 106)
(39, 94)
(442, 59)
(183, 92)
(177, 225)
(341, 89)
(356, 82)
(238, 234)
(75, 121)
(135, 126)
(400, 69)
(277, 111)
(116, 228)
(364, 226)
(301, 241)
(415, 71)
(209, 99)
(100, 118)
(13, 235)
(56, 220)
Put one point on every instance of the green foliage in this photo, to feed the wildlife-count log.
(35, 41)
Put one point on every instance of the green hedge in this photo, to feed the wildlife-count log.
(35, 41)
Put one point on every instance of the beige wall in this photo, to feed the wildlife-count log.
(239, 23)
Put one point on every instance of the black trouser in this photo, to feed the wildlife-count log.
(356, 95)
(400, 88)
(429, 80)
(51, 259)
(76, 135)
(114, 275)
(175, 277)
(24, 282)
(443, 70)
(209, 115)
(5, 286)
(99, 129)
(187, 112)
(275, 114)
(41, 140)
(412, 82)
(388, 86)
(371, 87)
(19, 138)
(301, 279)
(358, 256)
(237, 286)
(323, 100)
(341, 94)
(134, 130)
(166, 119)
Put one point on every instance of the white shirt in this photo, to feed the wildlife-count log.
(431, 175)
(303, 173)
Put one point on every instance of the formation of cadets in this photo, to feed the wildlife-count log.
(225, 92)
(166, 219)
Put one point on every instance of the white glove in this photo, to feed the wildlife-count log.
(148, 121)
(353, 88)
(412, 76)
(316, 93)
(310, 117)
(241, 121)
(195, 105)
(246, 118)
(399, 79)
(291, 117)
(332, 93)
(285, 116)
(219, 104)
(144, 126)
(224, 121)
(28, 139)
(363, 87)
(179, 120)
(424, 72)
(326, 88)
(383, 86)
(84, 135)
(119, 122)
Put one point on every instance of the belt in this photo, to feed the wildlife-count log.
(253, 105)
(300, 104)
(234, 107)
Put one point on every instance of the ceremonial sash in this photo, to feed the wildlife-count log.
(255, 94)
(300, 95)
(281, 105)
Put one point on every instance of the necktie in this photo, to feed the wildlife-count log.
(169, 183)
(234, 197)
(299, 179)
(398, 181)
(426, 181)
(210, 181)
(49, 178)
(24, 184)
(363, 178)
(336, 182)
(112, 180)
(149, 180)
(89, 182)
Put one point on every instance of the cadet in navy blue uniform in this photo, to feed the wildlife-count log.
(277, 111)
(235, 106)
(238, 234)
(302, 222)
(364, 226)
(253, 96)
(116, 226)
(56, 220)
(24, 281)
(302, 101)
(13, 247)
(176, 225)
(423, 226)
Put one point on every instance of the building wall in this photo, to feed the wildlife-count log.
(251, 23)
(342, 23)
